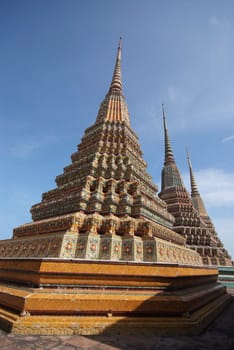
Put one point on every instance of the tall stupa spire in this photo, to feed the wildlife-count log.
(116, 83)
(114, 107)
(218, 249)
(191, 218)
(194, 188)
(170, 173)
(196, 198)
(108, 174)
(169, 157)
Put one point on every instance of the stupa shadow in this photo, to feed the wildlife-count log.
(168, 313)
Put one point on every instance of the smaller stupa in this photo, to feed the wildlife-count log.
(215, 254)
(191, 219)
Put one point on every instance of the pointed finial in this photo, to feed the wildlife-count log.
(116, 83)
(163, 112)
(188, 158)
(120, 43)
(194, 188)
(196, 198)
(169, 157)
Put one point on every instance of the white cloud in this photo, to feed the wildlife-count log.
(224, 227)
(222, 23)
(214, 21)
(172, 94)
(151, 124)
(25, 150)
(228, 138)
(215, 186)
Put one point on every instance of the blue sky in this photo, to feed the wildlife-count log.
(56, 64)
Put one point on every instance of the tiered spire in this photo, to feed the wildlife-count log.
(108, 173)
(194, 188)
(169, 157)
(114, 107)
(196, 198)
(116, 83)
(191, 218)
(170, 173)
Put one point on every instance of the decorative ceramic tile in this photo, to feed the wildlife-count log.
(68, 246)
(110, 247)
(149, 246)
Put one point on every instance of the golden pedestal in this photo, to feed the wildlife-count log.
(55, 296)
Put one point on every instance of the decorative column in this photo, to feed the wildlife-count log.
(110, 244)
(88, 242)
(132, 246)
(69, 243)
(149, 242)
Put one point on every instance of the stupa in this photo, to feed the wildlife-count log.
(191, 219)
(217, 254)
(100, 255)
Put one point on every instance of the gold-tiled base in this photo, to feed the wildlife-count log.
(74, 272)
(73, 297)
(184, 324)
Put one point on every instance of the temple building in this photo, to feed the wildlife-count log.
(191, 219)
(107, 196)
(104, 253)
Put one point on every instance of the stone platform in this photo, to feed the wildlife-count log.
(55, 296)
(219, 335)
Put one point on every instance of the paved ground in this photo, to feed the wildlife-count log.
(219, 336)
